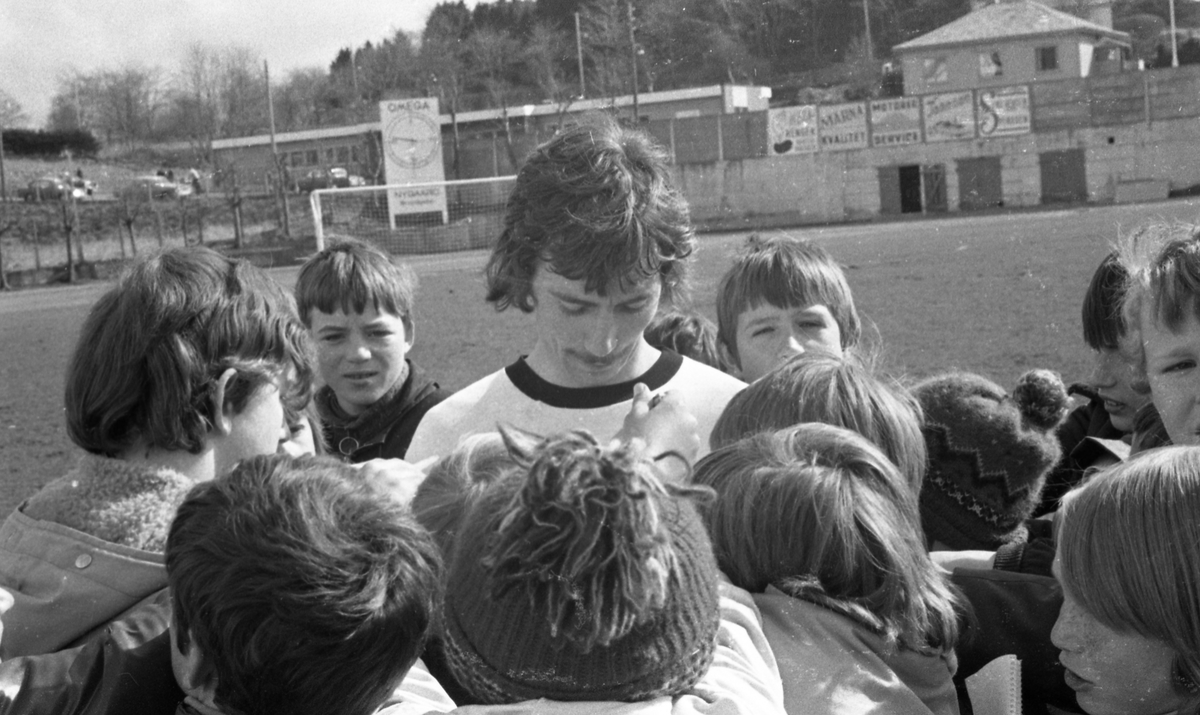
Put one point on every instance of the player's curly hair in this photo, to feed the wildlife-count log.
(595, 203)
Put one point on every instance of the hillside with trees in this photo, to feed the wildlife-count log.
(511, 52)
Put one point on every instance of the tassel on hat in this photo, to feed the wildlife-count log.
(580, 576)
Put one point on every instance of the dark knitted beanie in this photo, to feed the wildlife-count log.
(989, 454)
(580, 576)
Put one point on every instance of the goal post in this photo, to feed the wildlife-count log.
(473, 216)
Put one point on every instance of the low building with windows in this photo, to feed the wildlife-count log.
(1007, 43)
(475, 144)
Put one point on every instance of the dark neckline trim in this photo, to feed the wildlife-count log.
(587, 398)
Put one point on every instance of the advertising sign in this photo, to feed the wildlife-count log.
(1004, 111)
(949, 116)
(792, 130)
(843, 126)
(895, 121)
(412, 152)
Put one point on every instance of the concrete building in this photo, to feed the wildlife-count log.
(482, 140)
(1007, 43)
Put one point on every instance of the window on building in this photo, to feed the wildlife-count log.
(296, 158)
(310, 157)
(934, 70)
(343, 154)
(1047, 59)
(354, 154)
(990, 64)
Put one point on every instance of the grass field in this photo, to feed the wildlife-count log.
(996, 294)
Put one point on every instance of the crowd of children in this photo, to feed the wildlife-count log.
(648, 513)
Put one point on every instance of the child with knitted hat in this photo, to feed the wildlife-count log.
(577, 574)
(989, 453)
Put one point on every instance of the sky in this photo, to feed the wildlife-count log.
(44, 40)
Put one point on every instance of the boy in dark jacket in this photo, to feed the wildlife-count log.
(1097, 433)
(358, 304)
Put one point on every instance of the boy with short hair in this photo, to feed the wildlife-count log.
(190, 363)
(358, 304)
(296, 588)
(1162, 304)
(782, 296)
(1097, 433)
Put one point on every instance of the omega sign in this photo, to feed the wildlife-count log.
(412, 152)
(412, 138)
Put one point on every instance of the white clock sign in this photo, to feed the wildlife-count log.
(412, 151)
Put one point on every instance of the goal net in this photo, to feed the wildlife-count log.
(414, 218)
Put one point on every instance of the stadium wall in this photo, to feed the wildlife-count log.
(1138, 129)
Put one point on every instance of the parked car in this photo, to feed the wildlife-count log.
(158, 187)
(46, 188)
(323, 179)
(83, 188)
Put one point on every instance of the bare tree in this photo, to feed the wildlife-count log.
(606, 44)
(76, 102)
(11, 113)
(242, 93)
(548, 58)
(493, 56)
(196, 95)
(445, 74)
(130, 101)
(296, 105)
(768, 26)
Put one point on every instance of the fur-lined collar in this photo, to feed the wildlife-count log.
(113, 500)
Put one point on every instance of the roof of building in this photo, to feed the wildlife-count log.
(1010, 20)
(527, 110)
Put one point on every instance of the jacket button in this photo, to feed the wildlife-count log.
(82, 561)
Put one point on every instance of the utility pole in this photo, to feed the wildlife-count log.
(1174, 40)
(579, 54)
(354, 77)
(3, 191)
(633, 57)
(280, 178)
(867, 22)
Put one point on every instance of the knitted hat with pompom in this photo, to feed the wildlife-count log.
(580, 576)
(989, 454)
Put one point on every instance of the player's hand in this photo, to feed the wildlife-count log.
(660, 424)
(395, 477)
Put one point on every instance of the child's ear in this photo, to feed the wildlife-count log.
(732, 366)
(222, 412)
(192, 676)
(410, 332)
